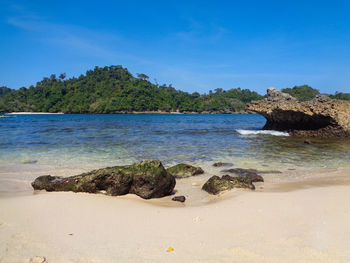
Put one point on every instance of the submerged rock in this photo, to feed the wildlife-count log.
(184, 170)
(321, 117)
(220, 164)
(216, 185)
(147, 179)
(180, 198)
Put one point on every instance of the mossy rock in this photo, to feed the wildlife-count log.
(147, 179)
(184, 170)
(216, 185)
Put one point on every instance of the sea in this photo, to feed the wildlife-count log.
(68, 144)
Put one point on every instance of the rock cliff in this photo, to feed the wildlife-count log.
(321, 117)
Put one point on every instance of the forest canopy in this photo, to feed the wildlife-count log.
(114, 89)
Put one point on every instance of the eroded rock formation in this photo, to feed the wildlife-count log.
(321, 117)
(147, 179)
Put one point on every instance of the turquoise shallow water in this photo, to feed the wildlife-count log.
(38, 143)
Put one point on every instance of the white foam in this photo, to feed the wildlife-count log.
(264, 132)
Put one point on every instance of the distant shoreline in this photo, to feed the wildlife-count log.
(33, 113)
(132, 112)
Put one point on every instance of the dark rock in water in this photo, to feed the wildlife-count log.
(216, 185)
(220, 164)
(321, 117)
(179, 199)
(184, 170)
(147, 179)
(30, 162)
(241, 171)
(252, 174)
(307, 142)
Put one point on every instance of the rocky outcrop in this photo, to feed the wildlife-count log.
(184, 170)
(216, 185)
(147, 179)
(321, 117)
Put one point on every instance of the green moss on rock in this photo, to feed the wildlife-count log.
(216, 185)
(147, 179)
(184, 170)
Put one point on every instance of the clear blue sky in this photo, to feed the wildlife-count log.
(194, 45)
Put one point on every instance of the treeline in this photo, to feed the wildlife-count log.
(4, 90)
(305, 93)
(114, 89)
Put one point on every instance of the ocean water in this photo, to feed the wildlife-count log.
(68, 144)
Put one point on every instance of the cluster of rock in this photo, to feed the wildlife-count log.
(147, 179)
(321, 117)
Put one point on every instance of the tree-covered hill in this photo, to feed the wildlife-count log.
(4, 90)
(115, 89)
(305, 93)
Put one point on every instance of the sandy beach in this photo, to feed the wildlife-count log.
(278, 223)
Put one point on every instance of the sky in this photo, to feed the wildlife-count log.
(193, 45)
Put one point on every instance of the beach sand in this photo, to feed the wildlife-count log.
(289, 223)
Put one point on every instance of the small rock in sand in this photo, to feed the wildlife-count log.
(179, 199)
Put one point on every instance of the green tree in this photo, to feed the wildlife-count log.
(302, 93)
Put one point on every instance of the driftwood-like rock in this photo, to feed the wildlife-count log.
(147, 179)
(321, 117)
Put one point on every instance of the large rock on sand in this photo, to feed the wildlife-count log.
(147, 179)
(184, 170)
(216, 185)
(321, 117)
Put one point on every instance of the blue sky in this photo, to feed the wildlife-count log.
(193, 45)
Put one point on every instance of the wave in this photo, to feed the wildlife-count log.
(263, 132)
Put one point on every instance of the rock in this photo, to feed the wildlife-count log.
(147, 179)
(307, 142)
(179, 198)
(240, 182)
(241, 171)
(254, 177)
(220, 164)
(184, 170)
(321, 117)
(216, 185)
(247, 173)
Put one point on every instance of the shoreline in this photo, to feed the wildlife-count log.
(129, 112)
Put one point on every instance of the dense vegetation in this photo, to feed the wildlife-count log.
(341, 96)
(4, 90)
(302, 93)
(305, 92)
(115, 89)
